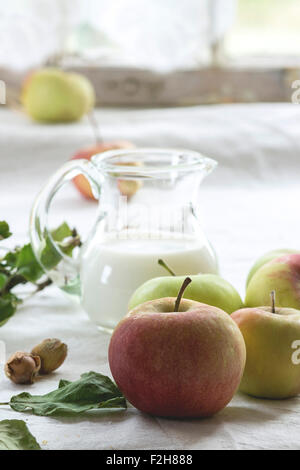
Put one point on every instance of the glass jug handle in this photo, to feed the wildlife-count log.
(65, 271)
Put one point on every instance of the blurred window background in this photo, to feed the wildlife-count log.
(162, 36)
(158, 34)
(265, 29)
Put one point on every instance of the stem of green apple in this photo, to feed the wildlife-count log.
(272, 295)
(164, 265)
(185, 283)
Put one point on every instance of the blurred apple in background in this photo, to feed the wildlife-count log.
(51, 95)
(129, 187)
(82, 183)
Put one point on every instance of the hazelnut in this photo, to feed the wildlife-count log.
(22, 367)
(52, 353)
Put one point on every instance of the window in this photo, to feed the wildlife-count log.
(264, 30)
(160, 35)
(160, 52)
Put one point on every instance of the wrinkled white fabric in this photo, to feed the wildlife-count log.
(250, 205)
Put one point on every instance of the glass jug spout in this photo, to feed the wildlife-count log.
(167, 167)
(153, 161)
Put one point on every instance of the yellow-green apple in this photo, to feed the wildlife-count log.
(281, 275)
(52, 95)
(210, 289)
(266, 258)
(81, 182)
(272, 338)
(177, 359)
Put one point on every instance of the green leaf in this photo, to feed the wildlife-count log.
(73, 287)
(91, 391)
(63, 383)
(61, 232)
(4, 230)
(20, 265)
(11, 258)
(3, 280)
(7, 307)
(27, 264)
(15, 435)
(50, 256)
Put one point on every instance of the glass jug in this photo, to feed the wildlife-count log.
(147, 211)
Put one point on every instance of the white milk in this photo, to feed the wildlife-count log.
(114, 268)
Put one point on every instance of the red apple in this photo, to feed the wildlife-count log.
(80, 181)
(185, 363)
(281, 275)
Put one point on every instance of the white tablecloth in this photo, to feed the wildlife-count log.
(250, 205)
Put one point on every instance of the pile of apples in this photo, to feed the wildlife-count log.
(187, 344)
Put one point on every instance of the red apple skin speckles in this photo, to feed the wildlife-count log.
(183, 364)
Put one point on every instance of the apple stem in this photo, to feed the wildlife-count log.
(272, 295)
(94, 125)
(185, 283)
(164, 265)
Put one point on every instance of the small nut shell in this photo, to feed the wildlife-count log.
(52, 353)
(22, 367)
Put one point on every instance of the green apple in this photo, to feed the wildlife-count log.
(266, 258)
(52, 95)
(177, 358)
(272, 340)
(282, 275)
(210, 289)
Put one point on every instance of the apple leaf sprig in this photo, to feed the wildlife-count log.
(19, 266)
(91, 391)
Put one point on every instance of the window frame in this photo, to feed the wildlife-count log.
(223, 81)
